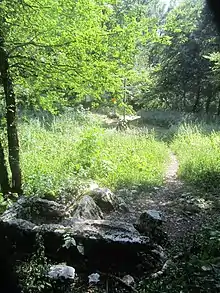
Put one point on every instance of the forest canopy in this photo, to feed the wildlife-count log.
(64, 53)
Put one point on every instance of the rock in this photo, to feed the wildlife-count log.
(150, 224)
(155, 216)
(87, 209)
(207, 268)
(107, 244)
(37, 210)
(94, 278)
(149, 220)
(161, 254)
(107, 200)
(105, 230)
(92, 186)
(61, 271)
(94, 244)
(129, 280)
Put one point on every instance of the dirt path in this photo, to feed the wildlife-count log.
(181, 205)
(171, 173)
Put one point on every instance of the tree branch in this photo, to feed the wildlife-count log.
(40, 45)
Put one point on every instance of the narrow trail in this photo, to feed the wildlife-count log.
(171, 173)
(185, 208)
(173, 199)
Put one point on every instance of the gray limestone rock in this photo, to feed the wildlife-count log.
(107, 200)
(150, 224)
(94, 278)
(86, 208)
(95, 243)
(61, 271)
(129, 280)
(150, 219)
(37, 210)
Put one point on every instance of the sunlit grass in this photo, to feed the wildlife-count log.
(71, 150)
(198, 152)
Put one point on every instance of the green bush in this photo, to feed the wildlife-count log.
(32, 272)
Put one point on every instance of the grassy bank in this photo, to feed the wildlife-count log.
(198, 151)
(73, 149)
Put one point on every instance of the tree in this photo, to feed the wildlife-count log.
(52, 50)
(183, 76)
(4, 181)
(12, 133)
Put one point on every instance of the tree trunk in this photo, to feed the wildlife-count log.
(218, 110)
(13, 142)
(4, 181)
(196, 104)
(184, 98)
(208, 103)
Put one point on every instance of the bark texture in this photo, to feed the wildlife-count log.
(4, 181)
(12, 133)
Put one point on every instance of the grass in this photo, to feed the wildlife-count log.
(167, 118)
(198, 151)
(73, 149)
(64, 152)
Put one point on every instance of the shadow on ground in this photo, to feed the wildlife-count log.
(186, 209)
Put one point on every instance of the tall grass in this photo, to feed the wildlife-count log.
(73, 149)
(132, 158)
(198, 151)
(166, 118)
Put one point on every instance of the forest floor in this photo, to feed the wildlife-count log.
(183, 207)
(186, 208)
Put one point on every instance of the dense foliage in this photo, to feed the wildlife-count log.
(63, 52)
(66, 53)
(183, 70)
(54, 53)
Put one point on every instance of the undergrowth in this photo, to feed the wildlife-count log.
(196, 267)
(32, 272)
(198, 151)
(73, 149)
